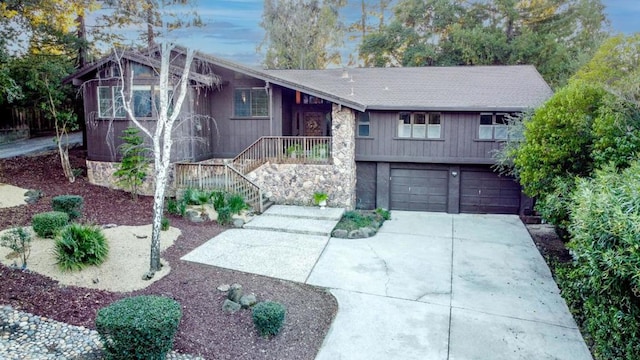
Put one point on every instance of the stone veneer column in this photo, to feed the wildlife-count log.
(295, 183)
(101, 173)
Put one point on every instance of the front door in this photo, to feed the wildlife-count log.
(313, 123)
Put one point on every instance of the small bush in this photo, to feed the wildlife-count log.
(165, 224)
(70, 204)
(47, 224)
(19, 241)
(173, 206)
(268, 317)
(140, 327)
(80, 245)
(383, 213)
(236, 203)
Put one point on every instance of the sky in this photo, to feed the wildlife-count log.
(233, 29)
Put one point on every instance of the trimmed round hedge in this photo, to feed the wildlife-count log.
(47, 224)
(268, 317)
(139, 327)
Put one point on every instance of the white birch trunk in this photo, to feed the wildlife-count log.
(162, 139)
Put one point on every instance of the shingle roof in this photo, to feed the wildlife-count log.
(468, 88)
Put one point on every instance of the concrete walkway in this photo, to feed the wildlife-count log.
(433, 286)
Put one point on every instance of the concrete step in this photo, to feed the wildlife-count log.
(305, 212)
(294, 225)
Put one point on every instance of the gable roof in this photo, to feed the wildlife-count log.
(461, 88)
(455, 88)
(139, 57)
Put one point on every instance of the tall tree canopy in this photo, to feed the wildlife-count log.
(557, 36)
(302, 34)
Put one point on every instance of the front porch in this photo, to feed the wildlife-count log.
(284, 169)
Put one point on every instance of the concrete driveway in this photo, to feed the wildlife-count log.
(442, 286)
(427, 286)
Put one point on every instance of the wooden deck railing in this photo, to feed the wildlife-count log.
(218, 176)
(284, 150)
(230, 176)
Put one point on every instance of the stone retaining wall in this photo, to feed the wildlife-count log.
(296, 183)
(101, 173)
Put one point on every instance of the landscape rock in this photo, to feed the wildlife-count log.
(224, 287)
(238, 223)
(193, 216)
(356, 234)
(230, 306)
(248, 301)
(109, 226)
(340, 233)
(235, 294)
(367, 231)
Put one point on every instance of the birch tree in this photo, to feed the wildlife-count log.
(171, 92)
(171, 95)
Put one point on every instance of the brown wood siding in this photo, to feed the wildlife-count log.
(459, 144)
(236, 134)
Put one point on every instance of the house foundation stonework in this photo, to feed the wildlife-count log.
(296, 183)
(101, 173)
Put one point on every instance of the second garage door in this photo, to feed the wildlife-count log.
(484, 191)
(419, 190)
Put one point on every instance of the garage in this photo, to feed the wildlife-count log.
(418, 189)
(483, 191)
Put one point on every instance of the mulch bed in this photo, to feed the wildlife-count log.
(205, 329)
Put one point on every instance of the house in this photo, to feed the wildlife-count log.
(397, 138)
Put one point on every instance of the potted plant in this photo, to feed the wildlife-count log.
(320, 199)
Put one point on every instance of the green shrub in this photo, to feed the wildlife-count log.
(218, 200)
(70, 204)
(165, 224)
(602, 285)
(173, 206)
(135, 163)
(19, 241)
(384, 214)
(268, 317)
(47, 224)
(80, 245)
(236, 203)
(224, 215)
(140, 327)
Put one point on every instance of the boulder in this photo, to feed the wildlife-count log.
(224, 287)
(230, 306)
(367, 231)
(248, 301)
(340, 233)
(356, 234)
(238, 222)
(234, 294)
(193, 215)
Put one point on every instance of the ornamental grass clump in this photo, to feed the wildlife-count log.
(268, 317)
(47, 225)
(70, 204)
(139, 327)
(78, 246)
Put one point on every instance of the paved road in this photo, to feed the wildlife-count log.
(36, 145)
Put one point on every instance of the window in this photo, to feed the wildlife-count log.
(493, 126)
(434, 129)
(419, 126)
(141, 101)
(110, 102)
(140, 70)
(251, 102)
(364, 126)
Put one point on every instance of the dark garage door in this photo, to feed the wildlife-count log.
(420, 190)
(486, 192)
